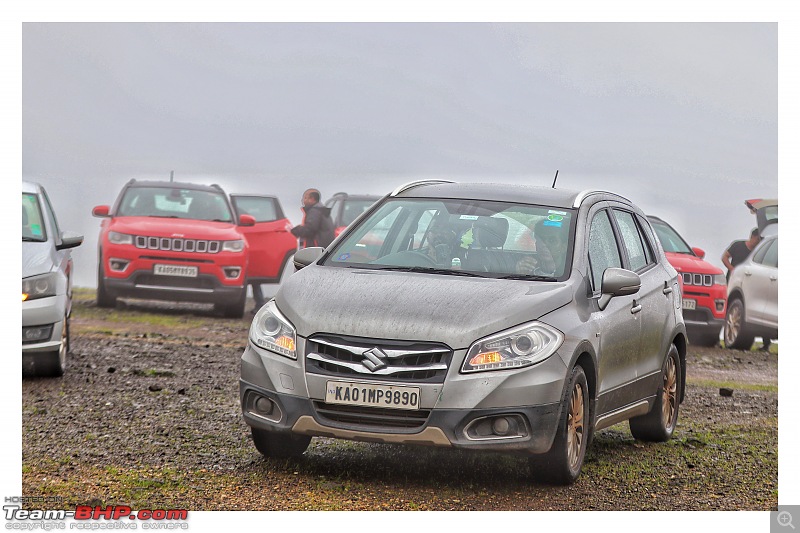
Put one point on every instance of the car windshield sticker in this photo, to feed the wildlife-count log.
(555, 218)
(468, 217)
(552, 223)
(557, 212)
(36, 229)
(344, 257)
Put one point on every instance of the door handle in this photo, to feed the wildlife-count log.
(636, 308)
(773, 278)
(748, 273)
(667, 288)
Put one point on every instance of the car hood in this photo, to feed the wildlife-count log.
(412, 306)
(691, 263)
(175, 227)
(37, 258)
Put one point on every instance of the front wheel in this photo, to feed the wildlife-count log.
(562, 464)
(234, 309)
(105, 298)
(54, 363)
(279, 445)
(659, 424)
(737, 336)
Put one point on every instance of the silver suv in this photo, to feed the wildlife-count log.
(494, 317)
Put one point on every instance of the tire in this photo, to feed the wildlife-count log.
(279, 445)
(737, 335)
(53, 364)
(707, 338)
(659, 424)
(105, 298)
(236, 308)
(562, 464)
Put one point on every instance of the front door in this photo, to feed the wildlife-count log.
(269, 241)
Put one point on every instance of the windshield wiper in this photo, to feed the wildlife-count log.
(528, 277)
(432, 270)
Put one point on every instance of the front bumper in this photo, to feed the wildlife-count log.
(203, 288)
(460, 412)
(47, 312)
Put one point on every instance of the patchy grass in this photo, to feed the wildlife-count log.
(713, 384)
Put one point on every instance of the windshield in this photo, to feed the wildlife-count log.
(670, 240)
(32, 222)
(495, 239)
(174, 203)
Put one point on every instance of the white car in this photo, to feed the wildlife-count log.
(46, 284)
(753, 297)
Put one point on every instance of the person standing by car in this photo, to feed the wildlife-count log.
(738, 252)
(317, 227)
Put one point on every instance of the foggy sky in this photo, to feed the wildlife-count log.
(682, 118)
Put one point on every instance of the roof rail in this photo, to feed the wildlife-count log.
(412, 184)
(589, 192)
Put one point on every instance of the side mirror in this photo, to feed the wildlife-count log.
(101, 211)
(306, 256)
(247, 220)
(69, 239)
(618, 282)
(699, 252)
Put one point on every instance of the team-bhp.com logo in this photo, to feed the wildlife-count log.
(94, 518)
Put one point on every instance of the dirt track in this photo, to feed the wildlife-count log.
(148, 415)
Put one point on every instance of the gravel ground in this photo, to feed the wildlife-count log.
(148, 415)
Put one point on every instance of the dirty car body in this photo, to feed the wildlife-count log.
(462, 333)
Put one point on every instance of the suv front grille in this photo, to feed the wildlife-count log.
(370, 358)
(371, 417)
(177, 245)
(700, 280)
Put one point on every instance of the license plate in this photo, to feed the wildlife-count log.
(175, 270)
(372, 395)
(689, 303)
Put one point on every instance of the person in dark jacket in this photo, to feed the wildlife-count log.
(317, 228)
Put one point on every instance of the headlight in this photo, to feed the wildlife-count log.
(39, 286)
(233, 246)
(272, 331)
(514, 348)
(719, 279)
(119, 238)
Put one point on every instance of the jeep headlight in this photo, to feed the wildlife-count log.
(39, 286)
(720, 279)
(233, 246)
(514, 348)
(272, 331)
(119, 238)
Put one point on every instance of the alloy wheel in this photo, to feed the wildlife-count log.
(575, 425)
(669, 400)
(733, 324)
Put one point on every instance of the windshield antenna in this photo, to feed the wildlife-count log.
(554, 179)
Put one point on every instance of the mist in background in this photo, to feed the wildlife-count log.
(682, 118)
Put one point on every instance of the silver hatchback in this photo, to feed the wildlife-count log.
(477, 316)
(46, 284)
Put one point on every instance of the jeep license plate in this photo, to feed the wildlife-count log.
(690, 304)
(372, 395)
(175, 270)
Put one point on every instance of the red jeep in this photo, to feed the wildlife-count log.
(187, 242)
(703, 286)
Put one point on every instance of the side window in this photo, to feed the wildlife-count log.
(632, 240)
(758, 257)
(603, 252)
(261, 208)
(771, 257)
(648, 240)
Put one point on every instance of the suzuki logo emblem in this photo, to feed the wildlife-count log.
(374, 359)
